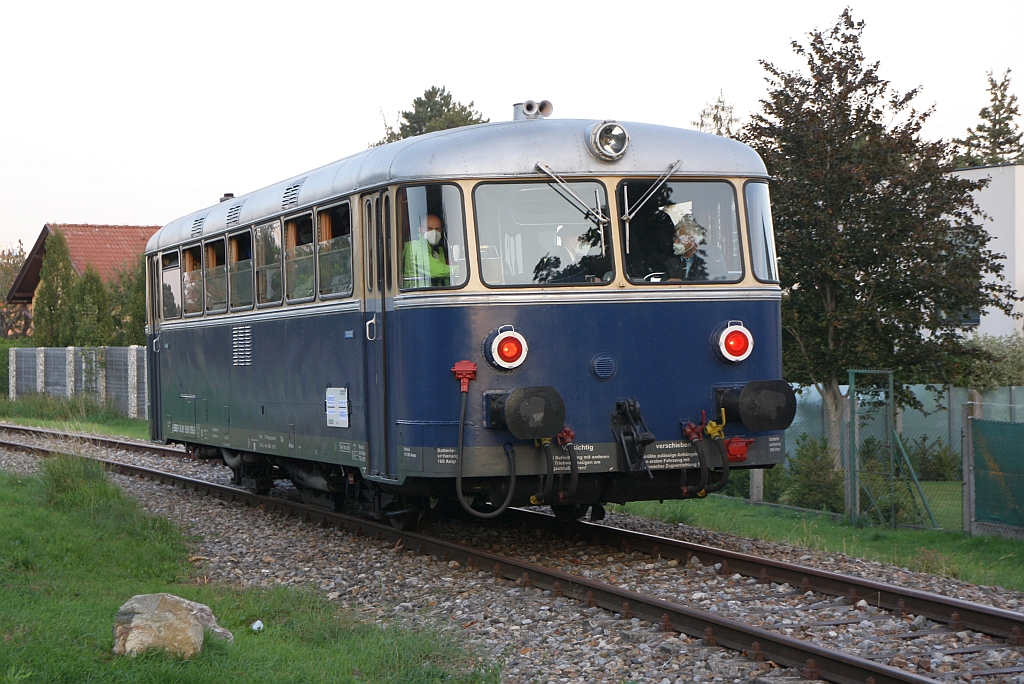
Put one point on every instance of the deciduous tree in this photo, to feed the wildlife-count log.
(717, 118)
(15, 320)
(998, 138)
(881, 246)
(127, 290)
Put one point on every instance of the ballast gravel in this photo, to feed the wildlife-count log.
(536, 636)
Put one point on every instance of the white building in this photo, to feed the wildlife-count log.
(1003, 202)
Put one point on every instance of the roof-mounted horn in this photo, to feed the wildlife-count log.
(532, 110)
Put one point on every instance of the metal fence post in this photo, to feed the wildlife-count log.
(133, 382)
(967, 466)
(12, 373)
(41, 369)
(69, 372)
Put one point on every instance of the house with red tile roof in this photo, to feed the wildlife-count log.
(108, 248)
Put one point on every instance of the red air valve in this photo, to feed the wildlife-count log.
(464, 372)
(565, 436)
(736, 448)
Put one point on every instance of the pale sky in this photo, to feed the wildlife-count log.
(141, 112)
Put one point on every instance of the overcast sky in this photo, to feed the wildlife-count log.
(140, 112)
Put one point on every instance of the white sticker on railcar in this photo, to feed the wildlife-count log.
(336, 401)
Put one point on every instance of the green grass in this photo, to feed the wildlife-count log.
(946, 500)
(979, 560)
(73, 548)
(74, 414)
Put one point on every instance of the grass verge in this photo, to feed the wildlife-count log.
(979, 560)
(73, 548)
(70, 414)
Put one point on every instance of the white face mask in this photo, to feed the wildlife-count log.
(679, 248)
(433, 237)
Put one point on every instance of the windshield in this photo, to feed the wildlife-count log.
(534, 234)
(684, 233)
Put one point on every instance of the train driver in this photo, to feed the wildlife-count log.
(425, 259)
(693, 258)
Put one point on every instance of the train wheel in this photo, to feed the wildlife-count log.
(568, 512)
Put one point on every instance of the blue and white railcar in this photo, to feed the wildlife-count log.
(560, 312)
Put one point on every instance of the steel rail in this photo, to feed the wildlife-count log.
(756, 643)
(957, 613)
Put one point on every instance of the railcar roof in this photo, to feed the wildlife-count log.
(502, 149)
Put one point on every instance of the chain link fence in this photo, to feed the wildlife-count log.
(113, 375)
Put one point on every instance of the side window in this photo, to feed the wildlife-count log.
(432, 233)
(240, 270)
(171, 285)
(369, 243)
(268, 263)
(192, 279)
(216, 277)
(334, 227)
(298, 257)
(762, 234)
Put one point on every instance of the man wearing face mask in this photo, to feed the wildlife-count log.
(426, 260)
(692, 257)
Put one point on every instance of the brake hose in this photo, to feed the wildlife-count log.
(565, 438)
(724, 480)
(548, 482)
(464, 374)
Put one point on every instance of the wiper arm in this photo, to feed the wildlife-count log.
(628, 216)
(594, 213)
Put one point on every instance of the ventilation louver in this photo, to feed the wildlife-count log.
(233, 214)
(241, 345)
(197, 226)
(291, 195)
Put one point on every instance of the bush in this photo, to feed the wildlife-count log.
(882, 494)
(934, 461)
(812, 480)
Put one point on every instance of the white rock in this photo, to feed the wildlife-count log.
(157, 621)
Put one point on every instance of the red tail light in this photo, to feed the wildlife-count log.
(509, 349)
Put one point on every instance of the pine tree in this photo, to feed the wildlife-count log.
(52, 307)
(127, 290)
(435, 111)
(717, 118)
(998, 138)
(91, 311)
(879, 241)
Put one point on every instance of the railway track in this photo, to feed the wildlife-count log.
(798, 588)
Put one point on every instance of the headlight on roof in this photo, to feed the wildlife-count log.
(607, 140)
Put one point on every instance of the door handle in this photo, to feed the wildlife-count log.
(373, 322)
(156, 344)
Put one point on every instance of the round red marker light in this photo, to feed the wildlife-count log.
(734, 342)
(510, 349)
(507, 349)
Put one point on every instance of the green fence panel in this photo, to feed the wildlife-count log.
(998, 472)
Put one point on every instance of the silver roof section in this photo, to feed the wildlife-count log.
(503, 149)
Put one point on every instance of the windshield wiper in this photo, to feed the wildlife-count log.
(628, 216)
(591, 213)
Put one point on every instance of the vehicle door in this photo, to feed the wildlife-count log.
(153, 290)
(380, 288)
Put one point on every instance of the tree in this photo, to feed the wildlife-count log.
(880, 243)
(52, 309)
(93, 325)
(127, 290)
(435, 111)
(15, 320)
(717, 118)
(998, 138)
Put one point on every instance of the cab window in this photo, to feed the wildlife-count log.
(432, 233)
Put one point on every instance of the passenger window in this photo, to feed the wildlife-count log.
(762, 235)
(369, 244)
(171, 285)
(298, 257)
(192, 279)
(433, 236)
(268, 263)
(335, 251)
(216, 277)
(240, 270)
(686, 232)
